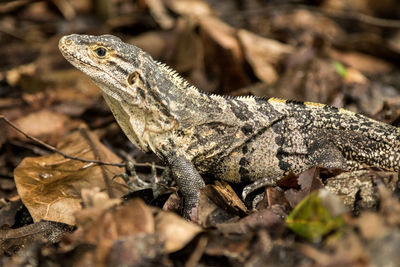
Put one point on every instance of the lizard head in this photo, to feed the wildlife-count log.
(115, 66)
(133, 84)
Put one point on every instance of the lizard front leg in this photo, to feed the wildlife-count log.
(189, 182)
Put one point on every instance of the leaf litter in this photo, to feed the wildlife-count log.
(336, 52)
(50, 186)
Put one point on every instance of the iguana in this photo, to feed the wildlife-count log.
(238, 139)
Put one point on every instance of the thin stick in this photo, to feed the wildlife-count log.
(96, 153)
(55, 150)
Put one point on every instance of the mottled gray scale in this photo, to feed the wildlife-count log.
(237, 139)
(357, 138)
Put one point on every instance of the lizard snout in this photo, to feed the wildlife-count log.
(65, 40)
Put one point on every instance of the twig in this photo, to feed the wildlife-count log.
(33, 147)
(198, 252)
(55, 150)
(52, 148)
(96, 154)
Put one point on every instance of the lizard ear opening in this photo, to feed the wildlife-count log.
(133, 77)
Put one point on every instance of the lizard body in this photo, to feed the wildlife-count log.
(238, 139)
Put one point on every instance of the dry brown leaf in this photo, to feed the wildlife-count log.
(362, 62)
(14, 75)
(189, 7)
(44, 124)
(208, 213)
(370, 7)
(274, 198)
(175, 231)
(72, 86)
(308, 78)
(303, 20)
(138, 250)
(50, 186)
(173, 203)
(355, 76)
(231, 246)
(187, 53)
(371, 225)
(348, 251)
(95, 203)
(394, 41)
(113, 227)
(308, 181)
(160, 14)
(223, 194)
(154, 43)
(263, 54)
(389, 205)
(95, 198)
(223, 56)
(223, 34)
(132, 218)
(261, 219)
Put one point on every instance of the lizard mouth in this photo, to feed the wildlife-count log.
(73, 58)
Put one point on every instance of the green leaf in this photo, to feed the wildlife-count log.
(340, 68)
(312, 218)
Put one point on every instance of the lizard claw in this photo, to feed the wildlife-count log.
(257, 199)
(267, 181)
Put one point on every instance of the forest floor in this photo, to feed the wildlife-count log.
(55, 211)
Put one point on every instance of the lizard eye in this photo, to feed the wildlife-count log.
(133, 77)
(100, 52)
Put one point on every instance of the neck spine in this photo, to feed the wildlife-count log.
(183, 86)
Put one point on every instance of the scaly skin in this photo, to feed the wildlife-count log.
(238, 139)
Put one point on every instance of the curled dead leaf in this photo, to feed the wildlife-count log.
(224, 195)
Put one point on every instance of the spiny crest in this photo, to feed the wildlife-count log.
(245, 97)
(176, 77)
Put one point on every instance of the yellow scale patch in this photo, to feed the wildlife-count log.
(277, 100)
(309, 104)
